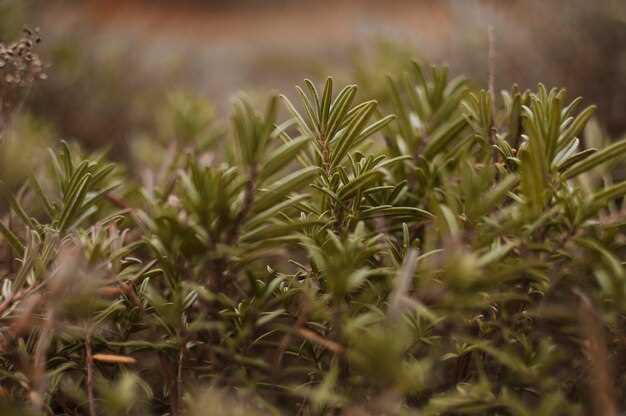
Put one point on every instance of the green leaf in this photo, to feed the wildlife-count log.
(268, 231)
(340, 108)
(326, 100)
(347, 140)
(282, 156)
(278, 191)
(19, 210)
(73, 201)
(442, 136)
(43, 197)
(496, 253)
(449, 220)
(12, 239)
(533, 180)
(373, 128)
(397, 212)
(573, 159)
(613, 151)
(313, 92)
(494, 196)
(611, 192)
(400, 109)
(313, 119)
(358, 184)
(608, 258)
(575, 127)
(304, 127)
(269, 213)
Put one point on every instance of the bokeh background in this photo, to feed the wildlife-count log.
(113, 65)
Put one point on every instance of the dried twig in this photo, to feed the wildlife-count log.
(284, 342)
(114, 358)
(493, 132)
(320, 340)
(492, 62)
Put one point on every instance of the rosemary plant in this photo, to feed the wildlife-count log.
(431, 250)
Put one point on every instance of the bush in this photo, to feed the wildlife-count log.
(462, 256)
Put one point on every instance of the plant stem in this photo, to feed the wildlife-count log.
(39, 364)
(89, 368)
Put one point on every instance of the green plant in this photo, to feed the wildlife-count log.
(463, 256)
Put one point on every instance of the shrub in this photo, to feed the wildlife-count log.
(462, 256)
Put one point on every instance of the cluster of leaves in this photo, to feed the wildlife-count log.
(460, 256)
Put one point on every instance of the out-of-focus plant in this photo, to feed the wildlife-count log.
(23, 139)
(20, 66)
(185, 124)
(23, 145)
(460, 255)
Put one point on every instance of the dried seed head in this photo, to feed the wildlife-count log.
(19, 63)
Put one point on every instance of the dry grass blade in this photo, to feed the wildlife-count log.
(114, 359)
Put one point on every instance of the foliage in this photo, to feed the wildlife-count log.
(462, 255)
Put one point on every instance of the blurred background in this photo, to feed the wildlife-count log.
(113, 65)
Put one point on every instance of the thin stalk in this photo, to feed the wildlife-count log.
(89, 370)
(39, 384)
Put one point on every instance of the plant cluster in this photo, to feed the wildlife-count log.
(20, 66)
(461, 255)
